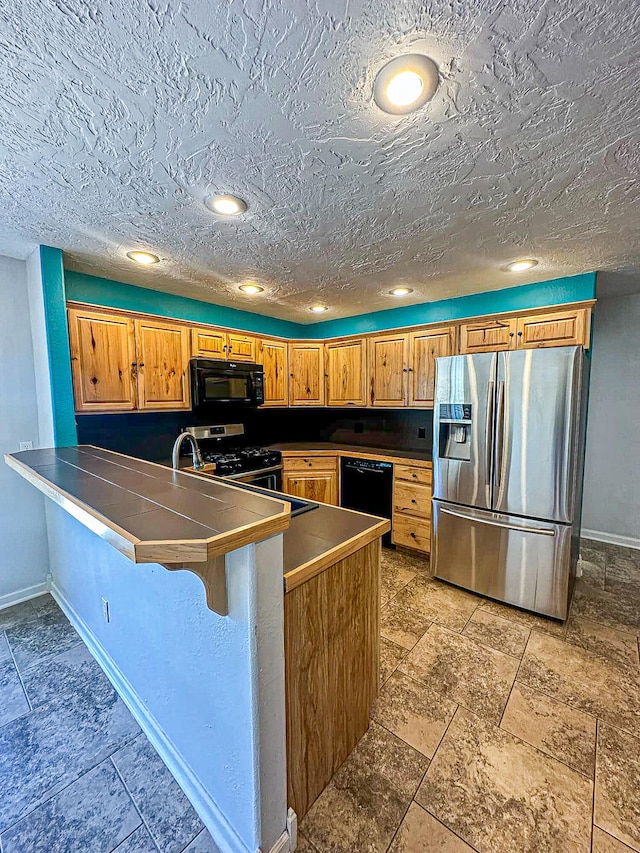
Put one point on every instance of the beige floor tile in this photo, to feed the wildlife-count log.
(402, 626)
(562, 732)
(502, 795)
(462, 670)
(393, 578)
(619, 611)
(618, 647)
(304, 845)
(414, 712)
(593, 573)
(363, 805)
(604, 843)
(420, 832)
(583, 680)
(438, 602)
(523, 617)
(390, 656)
(617, 800)
(497, 632)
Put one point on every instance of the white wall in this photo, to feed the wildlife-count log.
(611, 508)
(23, 536)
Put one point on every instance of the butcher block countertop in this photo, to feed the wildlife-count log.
(421, 459)
(151, 513)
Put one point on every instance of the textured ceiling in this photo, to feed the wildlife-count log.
(119, 118)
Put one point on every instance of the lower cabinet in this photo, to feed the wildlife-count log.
(411, 521)
(314, 478)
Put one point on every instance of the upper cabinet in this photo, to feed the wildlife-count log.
(489, 335)
(273, 356)
(103, 361)
(424, 348)
(388, 370)
(306, 374)
(163, 365)
(219, 344)
(557, 329)
(346, 373)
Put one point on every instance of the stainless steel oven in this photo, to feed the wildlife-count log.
(214, 382)
(267, 478)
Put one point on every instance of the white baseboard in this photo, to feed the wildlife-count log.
(25, 594)
(611, 538)
(221, 830)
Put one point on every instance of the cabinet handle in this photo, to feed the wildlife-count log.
(510, 334)
(412, 534)
(519, 334)
(404, 369)
(413, 500)
(414, 476)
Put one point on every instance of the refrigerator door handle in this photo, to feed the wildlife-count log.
(499, 440)
(488, 437)
(543, 531)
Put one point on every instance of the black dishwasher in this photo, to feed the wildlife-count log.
(367, 486)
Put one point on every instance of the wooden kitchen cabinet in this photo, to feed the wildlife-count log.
(556, 329)
(273, 356)
(218, 344)
(489, 335)
(306, 374)
(103, 361)
(346, 372)
(411, 519)
(163, 365)
(314, 478)
(424, 348)
(388, 370)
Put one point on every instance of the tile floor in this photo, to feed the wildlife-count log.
(496, 730)
(76, 773)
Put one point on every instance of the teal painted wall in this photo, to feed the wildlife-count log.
(128, 297)
(576, 288)
(53, 285)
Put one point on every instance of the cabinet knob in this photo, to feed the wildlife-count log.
(413, 500)
(412, 534)
(519, 334)
(414, 476)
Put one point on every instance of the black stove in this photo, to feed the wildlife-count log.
(238, 460)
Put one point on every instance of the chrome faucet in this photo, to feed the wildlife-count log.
(198, 461)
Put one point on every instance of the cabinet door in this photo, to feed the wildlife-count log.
(103, 361)
(558, 329)
(306, 379)
(424, 348)
(314, 486)
(488, 335)
(346, 373)
(388, 370)
(208, 343)
(241, 347)
(272, 355)
(163, 365)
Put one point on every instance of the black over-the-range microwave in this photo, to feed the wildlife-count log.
(226, 382)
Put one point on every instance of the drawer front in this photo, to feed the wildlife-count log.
(414, 475)
(412, 499)
(411, 532)
(310, 463)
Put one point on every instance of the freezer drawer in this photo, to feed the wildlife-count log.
(521, 562)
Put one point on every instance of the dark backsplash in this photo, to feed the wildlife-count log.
(150, 435)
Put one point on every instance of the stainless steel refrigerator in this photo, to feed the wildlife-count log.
(507, 474)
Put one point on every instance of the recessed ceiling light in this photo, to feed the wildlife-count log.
(400, 291)
(251, 288)
(405, 83)
(319, 309)
(226, 205)
(145, 258)
(522, 265)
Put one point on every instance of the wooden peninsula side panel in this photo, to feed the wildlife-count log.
(332, 665)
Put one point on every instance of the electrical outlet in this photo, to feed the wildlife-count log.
(26, 445)
(105, 609)
(422, 432)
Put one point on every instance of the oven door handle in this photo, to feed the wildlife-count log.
(258, 472)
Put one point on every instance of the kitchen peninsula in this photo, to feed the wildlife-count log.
(207, 686)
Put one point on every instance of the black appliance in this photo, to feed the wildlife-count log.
(255, 465)
(214, 382)
(367, 486)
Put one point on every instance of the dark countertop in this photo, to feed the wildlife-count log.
(355, 449)
(151, 513)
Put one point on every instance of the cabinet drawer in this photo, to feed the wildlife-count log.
(411, 532)
(412, 498)
(310, 463)
(414, 475)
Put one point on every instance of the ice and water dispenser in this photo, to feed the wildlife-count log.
(454, 439)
